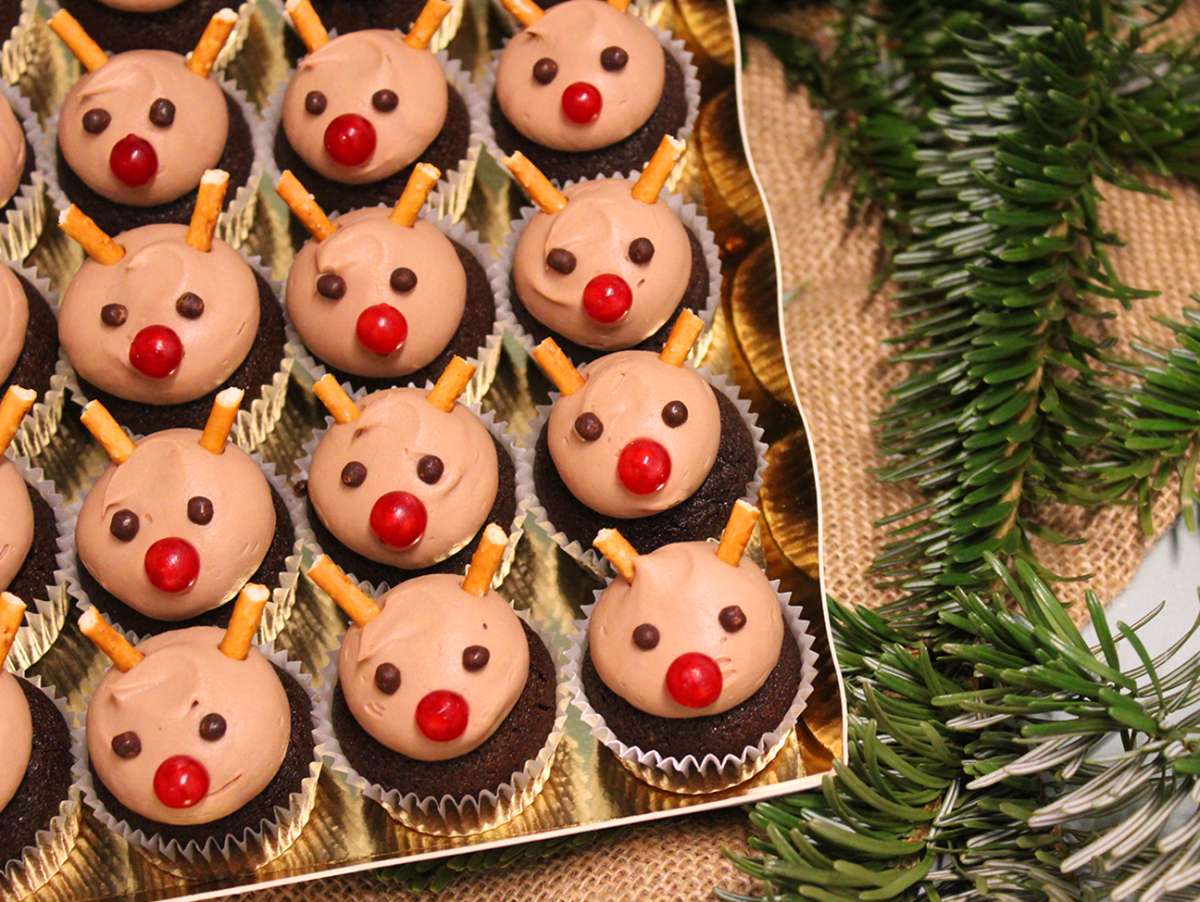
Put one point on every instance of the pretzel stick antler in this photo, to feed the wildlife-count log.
(524, 11)
(17, 402)
(220, 421)
(738, 531)
(420, 183)
(619, 5)
(536, 186)
(619, 552)
(451, 384)
(358, 605)
(427, 23)
(684, 333)
(304, 206)
(558, 367)
(94, 240)
(208, 48)
(78, 41)
(650, 183)
(12, 612)
(243, 623)
(339, 404)
(107, 432)
(210, 198)
(307, 24)
(485, 561)
(115, 646)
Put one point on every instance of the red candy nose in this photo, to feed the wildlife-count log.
(133, 160)
(442, 715)
(644, 466)
(156, 352)
(381, 329)
(398, 518)
(694, 680)
(581, 102)
(180, 782)
(350, 139)
(607, 298)
(172, 565)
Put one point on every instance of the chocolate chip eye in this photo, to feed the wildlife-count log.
(732, 618)
(124, 525)
(190, 305)
(588, 427)
(614, 59)
(113, 315)
(354, 474)
(127, 745)
(544, 70)
(95, 121)
(641, 251)
(200, 510)
(384, 100)
(331, 285)
(675, 414)
(561, 260)
(315, 103)
(387, 678)
(212, 727)
(403, 279)
(162, 113)
(475, 657)
(430, 469)
(645, 636)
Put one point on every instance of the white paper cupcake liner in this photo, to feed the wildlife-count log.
(590, 559)
(447, 815)
(487, 357)
(20, 45)
(689, 214)
(643, 9)
(705, 773)
(283, 596)
(24, 876)
(23, 222)
(46, 613)
(234, 855)
(449, 198)
(524, 493)
(238, 217)
(443, 36)
(691, 90)
(40, 424)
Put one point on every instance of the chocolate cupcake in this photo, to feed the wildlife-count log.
(586, 89)
(345, 16)
(201, 745)
(383, 298)
(137, 132)
(18, 38)
(175, 25)
(403, 481)
(609, 264)
(695, 669)
(360, 110)
(640, 442)
(22, 186)
(163, 317)
(177, 524)
(29, 354)
(444, 705)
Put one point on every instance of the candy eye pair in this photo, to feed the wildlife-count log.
(612, 59)
(562, 261)
(125, 524)
(161, 113)
(332, 286)
(387, 675)
(429, 470)
(189, 305)
(732, 618)
(589, 427)
(384, 100)
(129, 745)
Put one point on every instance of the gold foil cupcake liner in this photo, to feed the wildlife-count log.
(20, 45)
(588, 558)
(487, 357)
(283, 596)
(441, 38)
(233, 855)
(40, 424)
(24, 876)
(688, 213)
(701, 773)
(26, 214)
(447, 815)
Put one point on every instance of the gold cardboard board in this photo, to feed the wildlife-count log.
(587, 789)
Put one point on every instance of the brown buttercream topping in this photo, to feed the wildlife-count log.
(12, 152)
(14, 320)
(16, 726)
(16, 522)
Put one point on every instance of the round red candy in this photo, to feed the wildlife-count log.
(381, 329)
(607, 298)
(644, 466)
(156, 352)
(694, 680)
(180, 782)
(133, 160)
(172, 564)
(581, 102)
(442, 715)
(350, 139)
(398, 519)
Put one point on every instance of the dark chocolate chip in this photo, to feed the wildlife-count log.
(113, 315)
(315, 103)
(126, 745)
(675, 413)
(212, 727)
(614, 59)
(95, 121)
(430, 469)
(561, 260)
(475, 657)
(589, 427)
(354, 474)
(403, 279)
(384, 100)
(190, 305)
(162, 113)
(387, 678)
(544, 70)
(124, 525)
(641, 250)
(732, 618)
(200, 510)
(332, 286)
(645, 636)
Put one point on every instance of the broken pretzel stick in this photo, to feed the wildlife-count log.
(420, 183)
(220, 419)
(619, 5)
(208, 48)
(243, 623)
(536, 186)
(738, 530)
(684, 333)
(17, 402)
(524, 11)
(558, 367)
(94, 240)
(485, 561)
(12, 612)
(616, 548)
(339, 404)
(303, 206)
(78, 41)
(650, 183)
(427, 23)
(107, 432)
(307, 24)
(451, 384)
(358, 605)
(209, 200)
(115, 646)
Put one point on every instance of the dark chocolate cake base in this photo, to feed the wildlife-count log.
(176, 29)
(10, 15)
(727, 733)
(478, 320)
(701, 516)
(35, 364)
(258, 369)
(625, 156)
(273, 564)
(694, 298)
(519, 738)
(448, 149)
(345, 16)
(503, 510)
(237, 160)
(38, 570)
(288, 779)
(47, 779)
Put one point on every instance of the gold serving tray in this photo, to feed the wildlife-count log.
(588, 789)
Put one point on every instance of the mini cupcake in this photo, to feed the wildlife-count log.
(137, 132)
(694, 671)
(29, 353)
(381, 297)
(403, 481)
(345, 16)
(163, 317)
(607, 265)
(586, 89)
(444, 707)
(22, 187)
(361, 110)
(200, 745)
(39, 804)
(175, 25)
(177, 524)
(18, 38)
(639, 441)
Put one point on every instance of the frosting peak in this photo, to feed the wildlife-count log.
(16, 524)
(12, 152)
(14, 320)
(16, 726)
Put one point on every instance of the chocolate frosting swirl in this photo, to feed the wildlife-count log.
(16, 522)
(12, 152)
(14, 320)
(16, 726)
